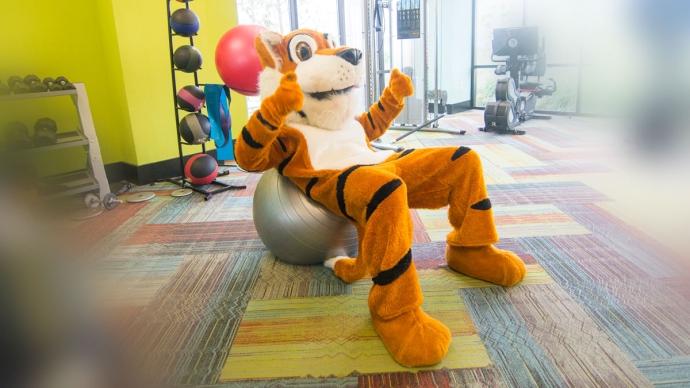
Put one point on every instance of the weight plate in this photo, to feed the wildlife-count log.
(181, 192)
(140, 197)
(110, 201)
(85, 214)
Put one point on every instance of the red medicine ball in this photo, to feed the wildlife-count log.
(237, 61)
(201, 169)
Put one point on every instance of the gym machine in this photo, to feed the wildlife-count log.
(398, 36)
(522, 56)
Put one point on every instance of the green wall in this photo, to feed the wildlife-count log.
(119, 49)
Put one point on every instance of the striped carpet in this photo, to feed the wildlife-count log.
(603, 304)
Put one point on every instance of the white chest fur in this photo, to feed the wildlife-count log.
(339, 149)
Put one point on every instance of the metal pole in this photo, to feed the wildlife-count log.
(390, 35)
(473, 86)
(379, 46)
(174, 91)
(371, 61)
(294, 20)
(342, 29)
(436, 59)
(425, 100)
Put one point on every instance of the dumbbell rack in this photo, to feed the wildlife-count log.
(93, 178)
(181, 180)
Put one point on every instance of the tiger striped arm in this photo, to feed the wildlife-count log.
(381, 114)
(258, 147)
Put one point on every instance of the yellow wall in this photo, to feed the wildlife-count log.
(142, 34)
(119, 49)
(70, 38)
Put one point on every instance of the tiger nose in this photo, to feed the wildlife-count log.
(351, 55)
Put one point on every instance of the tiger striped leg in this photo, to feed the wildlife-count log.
(411, 336)
(457, 180)
(470, 249)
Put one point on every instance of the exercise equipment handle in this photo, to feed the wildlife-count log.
(419, 127)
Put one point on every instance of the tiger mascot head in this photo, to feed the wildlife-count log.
(328, 75)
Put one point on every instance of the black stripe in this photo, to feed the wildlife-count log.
(284, 164)
(459, 152)
(484, 204)
(282, 145)
(301, 113)
(310, 185)
(371, 120)
(381, 106)
(388, 276)
(247, 137)
(340, 190)
(406, 152)
(381, 194)
(264, 122)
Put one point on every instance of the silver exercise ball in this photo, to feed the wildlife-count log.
(296, 229)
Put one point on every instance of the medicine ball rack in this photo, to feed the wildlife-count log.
(181, 180)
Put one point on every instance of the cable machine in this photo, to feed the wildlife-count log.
(397, 35)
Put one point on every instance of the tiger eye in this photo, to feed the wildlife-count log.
(303, 51)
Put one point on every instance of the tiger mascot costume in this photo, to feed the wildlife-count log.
(307, 128)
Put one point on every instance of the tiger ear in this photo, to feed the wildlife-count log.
(268, 45)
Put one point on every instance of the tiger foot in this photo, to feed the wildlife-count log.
(414, 339)
(487, 263)
(347, 269)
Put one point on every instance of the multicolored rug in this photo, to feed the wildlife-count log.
(603, 303)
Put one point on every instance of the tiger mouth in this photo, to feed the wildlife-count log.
(330, 93)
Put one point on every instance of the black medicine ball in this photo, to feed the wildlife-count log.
(195, 128)
(191, 98)
(184, 22)
(187, 58)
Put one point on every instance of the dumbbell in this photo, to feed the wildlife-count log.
(50, 83)
(109, 202)
(17, 85)
(45, 132)
(17, 136)
(34, 83)
(64, 83)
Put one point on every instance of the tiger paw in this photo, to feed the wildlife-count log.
(400, 84)
(345, 268)
(287, 98)
(413, 338)
(487, 263)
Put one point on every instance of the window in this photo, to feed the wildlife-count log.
(565, 98)
(485, 86)
(558, 24)
(490, 14)
(272, 14)
(320, 15)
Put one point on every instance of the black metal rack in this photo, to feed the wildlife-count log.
(181, 180)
